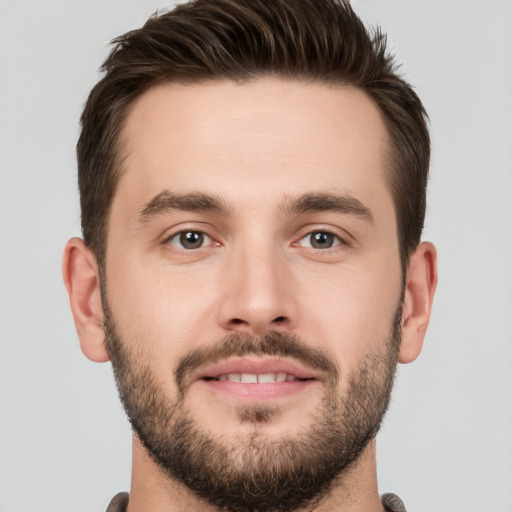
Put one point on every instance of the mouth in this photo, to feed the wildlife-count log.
(256, 378)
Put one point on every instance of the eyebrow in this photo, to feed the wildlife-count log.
(321, 202)
(166, 201)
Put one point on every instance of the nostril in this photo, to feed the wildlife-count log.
(240, 323)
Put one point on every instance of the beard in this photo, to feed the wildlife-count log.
(253, 473)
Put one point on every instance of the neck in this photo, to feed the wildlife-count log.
(154, 491)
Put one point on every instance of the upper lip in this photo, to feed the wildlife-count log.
(254, 365)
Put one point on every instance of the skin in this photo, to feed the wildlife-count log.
(258, 147)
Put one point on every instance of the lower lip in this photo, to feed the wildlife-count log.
(263, 391)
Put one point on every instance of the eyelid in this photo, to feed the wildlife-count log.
(176, 231)
(206, 240)
(344, 238)
(305, 241)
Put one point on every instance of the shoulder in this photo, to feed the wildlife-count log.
(119, 503)
(392, 503)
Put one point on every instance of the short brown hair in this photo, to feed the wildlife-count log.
(320, 41)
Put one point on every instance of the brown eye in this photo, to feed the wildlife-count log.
(320, 240)
(190, 240)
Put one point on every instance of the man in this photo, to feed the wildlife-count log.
(252, 178)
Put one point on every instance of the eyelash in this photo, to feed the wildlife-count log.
(201, 237)
(336, 239)
(179, 236)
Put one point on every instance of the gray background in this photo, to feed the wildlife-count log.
(446, 444)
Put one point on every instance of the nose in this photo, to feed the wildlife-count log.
(259, 293)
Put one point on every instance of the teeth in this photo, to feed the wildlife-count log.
(267, 377)
(253, 378)
(249, 378)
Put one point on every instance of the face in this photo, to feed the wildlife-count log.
(252, 285)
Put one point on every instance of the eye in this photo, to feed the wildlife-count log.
(320, 240)
(190, 240)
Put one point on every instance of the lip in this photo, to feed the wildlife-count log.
(259, 366)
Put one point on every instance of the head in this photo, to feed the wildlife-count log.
(252, 179)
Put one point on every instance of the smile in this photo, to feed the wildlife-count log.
(254, 378)
(255, 370)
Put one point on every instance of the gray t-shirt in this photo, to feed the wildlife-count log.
(390, 502)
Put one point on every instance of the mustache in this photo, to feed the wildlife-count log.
(272, 343)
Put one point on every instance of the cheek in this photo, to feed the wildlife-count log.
(159, 307)
(352, 312)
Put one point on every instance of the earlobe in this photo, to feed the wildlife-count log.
(81, 278)
(420, 286)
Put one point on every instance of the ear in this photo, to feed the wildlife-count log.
(81, 278)
(421, 282)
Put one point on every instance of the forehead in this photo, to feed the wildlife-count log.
(235, 139)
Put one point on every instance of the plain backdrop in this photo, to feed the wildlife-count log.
(446, 444)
